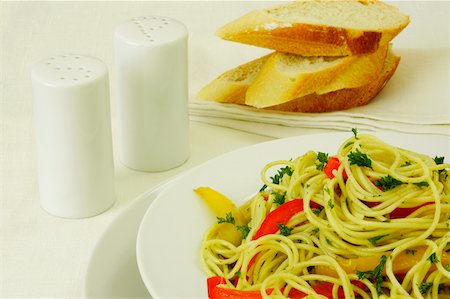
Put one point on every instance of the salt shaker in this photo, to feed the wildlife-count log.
(73, 134)
(151, 66)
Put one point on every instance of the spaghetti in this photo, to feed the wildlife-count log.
(370, 222)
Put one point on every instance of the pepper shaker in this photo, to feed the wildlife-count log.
(73, 134)
(151, 67)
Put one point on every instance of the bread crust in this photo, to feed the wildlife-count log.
(257, 28)
(340, 99)
(311, 40)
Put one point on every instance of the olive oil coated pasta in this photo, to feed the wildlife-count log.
(371, 221)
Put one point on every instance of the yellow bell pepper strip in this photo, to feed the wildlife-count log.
(403, 262)
(220, 205)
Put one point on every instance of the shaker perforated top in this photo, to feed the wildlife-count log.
(68, 70)
(151, 30)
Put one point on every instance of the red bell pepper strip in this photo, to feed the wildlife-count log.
(281, 215)
(333, 163)
(216, 292)
(404, 212)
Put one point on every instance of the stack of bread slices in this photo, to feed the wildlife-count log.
(329, 55)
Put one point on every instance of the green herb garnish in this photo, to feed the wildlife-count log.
(279, 198)
(407, 163)
(359, 158)
(410, 251)
(376, 275)
(322, 159)
(355, 132)
(422, 184)
(284, 230)
(425, 287)
(330, 204)
(433, 258)
(244, 229)
(388, 183)
(374, 240)
(317, 211)
(280, 174)
(438, 160)
(228, 219)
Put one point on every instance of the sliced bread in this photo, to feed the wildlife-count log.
(296, 79)
(319, 27)
(285, 77)
(344, 98)
(231, 86)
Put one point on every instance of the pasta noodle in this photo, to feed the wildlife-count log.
(374, 226)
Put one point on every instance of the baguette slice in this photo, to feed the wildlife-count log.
(227, 89)
(231, 86)
(344, 98)
(285, 77)
(319, 27)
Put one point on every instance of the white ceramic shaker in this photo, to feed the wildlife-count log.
(151, 67)
(73, 134)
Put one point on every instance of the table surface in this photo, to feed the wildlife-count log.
(46, 256)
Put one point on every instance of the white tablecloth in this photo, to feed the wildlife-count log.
(45, 256)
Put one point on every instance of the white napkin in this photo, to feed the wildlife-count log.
(415, 100)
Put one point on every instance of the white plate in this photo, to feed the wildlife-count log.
(112, 270)
(171, 231)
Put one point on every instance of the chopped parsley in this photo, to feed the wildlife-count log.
(317, 211)
(279, 198)
(355, 132)
(244, 229)
(322, 159)
(447, 267)
(438, 160)
(407, 163)
(422, 184)
(375, 275)
(411, 251)
(433, 258)
(359, 158)
(280, 174)
(330, 204)
(228, 219)
(284, 230)
(348, 144)
(387, 183)
(315, 231)
(374, 240)
(425, 287)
